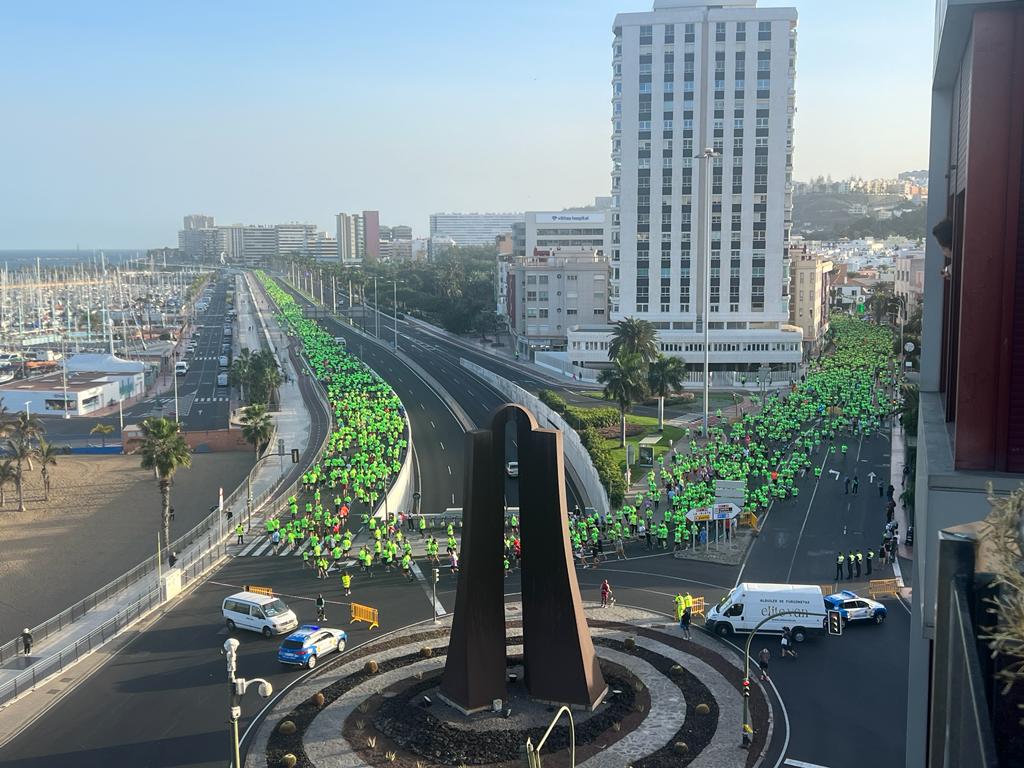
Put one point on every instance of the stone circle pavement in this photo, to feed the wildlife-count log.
(325, 747)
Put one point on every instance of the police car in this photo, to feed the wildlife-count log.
(308, 643)
(853, 607)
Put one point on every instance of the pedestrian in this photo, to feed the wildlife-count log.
(346, 583)
(881, 490)
(840, 559)
(240, 533)
(870, 556)
(849, 565)
(606, 593)
(26, 641)
(680, 604)
(906, 474)
(846, 484)
(762, 661)
(856, 563)
(856, 484)
(684, 623)
(787, 642)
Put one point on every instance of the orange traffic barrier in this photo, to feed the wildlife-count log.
(364, 613)
(698, 606)
(879, 587)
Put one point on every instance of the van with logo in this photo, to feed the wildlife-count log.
(801, 607)
(265, 614)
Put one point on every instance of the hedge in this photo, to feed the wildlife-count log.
(552, 400)
(581, 418)
(607, 467)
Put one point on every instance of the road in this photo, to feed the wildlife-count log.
(166, 690)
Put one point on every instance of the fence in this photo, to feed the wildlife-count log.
(364, 613)
(575, 453)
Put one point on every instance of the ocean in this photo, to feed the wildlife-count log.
(14, 260)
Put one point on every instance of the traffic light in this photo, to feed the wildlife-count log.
(835, 623)
(295, 455)
(437, 575)
(746, 688)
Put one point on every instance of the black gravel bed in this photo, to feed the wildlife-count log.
(416, 730)
(697, 730)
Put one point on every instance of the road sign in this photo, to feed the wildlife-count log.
(730, 492)
(717, 512)
(908, 347)
(280, 446)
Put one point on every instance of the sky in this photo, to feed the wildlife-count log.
(116, 119)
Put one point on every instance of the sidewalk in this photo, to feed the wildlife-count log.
(109, 618)
(896, 462)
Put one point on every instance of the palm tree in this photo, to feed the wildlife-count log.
(164, 451)
(8, 475)
(266, 378)
(634, 337)
(47, 454)
(257, 426)
(241, 370)
(625, 383)
(28, 427)
(20, 450)
(665, 376)
(102, 430)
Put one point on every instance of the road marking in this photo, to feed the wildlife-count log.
(442, 445)
(246, 551)
(659, 575)
(453, 499)
(801, 764)
(263, 549)
(810, 506)
(304, 547)
(834, 472)
(449, 469)
(436, 602)
(431, 421)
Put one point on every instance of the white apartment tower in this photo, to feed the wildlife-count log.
(686, 76)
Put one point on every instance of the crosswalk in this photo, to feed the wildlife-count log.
(261, 545)
(212, 399)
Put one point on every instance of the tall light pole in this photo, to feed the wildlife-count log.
(176, 421)
(238, 686)
(708, 156)
(376, 310)
(395, 307)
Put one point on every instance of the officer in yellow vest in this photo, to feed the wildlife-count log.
(840, 560)
(680, 602)
(240, 533)
(688, 601)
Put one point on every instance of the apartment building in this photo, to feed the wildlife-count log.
(472, 228)
(810, 296)
(686, 76)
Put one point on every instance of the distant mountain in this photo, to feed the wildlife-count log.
(830, 216)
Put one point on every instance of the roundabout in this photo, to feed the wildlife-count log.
(671, 702)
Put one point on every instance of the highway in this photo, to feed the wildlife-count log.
(162, 700)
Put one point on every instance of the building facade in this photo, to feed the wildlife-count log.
(810, 295)
(909, 279)
(551, 290)
(259, 244)
(371, 235)
(295, 238)
(472, 228)
(351, 237)
(970, 431)
(582, 230)
(686, 76)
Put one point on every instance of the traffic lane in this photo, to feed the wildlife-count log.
(437, 435)
(846, 695)
(167, 687)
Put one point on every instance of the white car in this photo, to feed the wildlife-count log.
(512, 468)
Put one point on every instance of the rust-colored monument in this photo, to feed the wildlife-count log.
(558, 654)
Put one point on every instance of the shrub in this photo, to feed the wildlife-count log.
(581, 418)
(426, 652)
(286, 728)
(317, 700)
(371, 667)
(552, 400)
(289, 760)
(702, 709)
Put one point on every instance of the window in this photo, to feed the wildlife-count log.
(644, 88)
(736, 609)
(689, 33)
(670, 33)
(571, 311)
(644, 125)
(531, 279)
(646, 34)
(764, 30)
(741, 31)
(720, 32)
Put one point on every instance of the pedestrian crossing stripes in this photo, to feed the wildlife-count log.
(212, 399)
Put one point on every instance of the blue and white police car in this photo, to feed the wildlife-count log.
(853, 607)
(308, 643)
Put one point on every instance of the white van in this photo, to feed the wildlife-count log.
(749, 604)
(180, 368)
(222, 361)
(222, 379)
(259, 613)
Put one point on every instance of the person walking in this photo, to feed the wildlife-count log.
(856, 484)
(762, 662)
(840, 559)
(606, 593)
(346, 583)
(684, 623)
(787, 642)
(846, 484)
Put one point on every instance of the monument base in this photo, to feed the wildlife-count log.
(576, 707)
(461, 709)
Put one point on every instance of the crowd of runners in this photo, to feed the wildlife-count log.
(843, 396)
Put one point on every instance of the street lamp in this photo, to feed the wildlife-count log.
(238, 686)
(708, 155)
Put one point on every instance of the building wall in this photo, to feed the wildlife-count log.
(472, 228)
(971, 423)
(260, 244)
(567, 229)
(371, 235)
(809, 306)
(909, 280)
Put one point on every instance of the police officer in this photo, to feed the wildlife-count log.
(680, 605)
(849, 564)
(840, 559)
(240, 533)
(871, 556)
(856, 563)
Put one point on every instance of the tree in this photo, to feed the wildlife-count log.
(21, 451)
(634, 337)
(257, 426)
(8, 475)
(664, 376)
(625, 382)
(164, 451)
(240, 371)
(28, 427)
(264, 378)
(47, 454)
(102, 430)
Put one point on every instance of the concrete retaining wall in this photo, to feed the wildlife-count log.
(575, 453)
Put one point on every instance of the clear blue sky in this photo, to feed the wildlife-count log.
(118, 118)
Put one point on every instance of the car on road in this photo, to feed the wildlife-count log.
(512, 468)
(222, 379)
(853, 607)
(222, 361)
(308, 643)
(181, 368)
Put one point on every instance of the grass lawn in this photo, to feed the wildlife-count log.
(650, 425)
